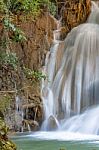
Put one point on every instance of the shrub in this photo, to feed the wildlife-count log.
(52, 8)
(3, 7)
(5, 144)
(9, 59)
(17, 34)
(28, 6)
(33, 75)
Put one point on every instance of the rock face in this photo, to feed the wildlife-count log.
(39, 34)
(31, 53)
(73, 13)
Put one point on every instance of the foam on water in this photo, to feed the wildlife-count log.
(63, 136)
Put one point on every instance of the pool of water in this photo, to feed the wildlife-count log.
(56, 141)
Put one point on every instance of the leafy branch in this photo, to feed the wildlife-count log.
(33, 75)
(17, 34)
(8, 59)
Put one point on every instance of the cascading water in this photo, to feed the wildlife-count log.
(18, 114)
(72, 67)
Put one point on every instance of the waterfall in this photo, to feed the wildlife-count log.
(18, 114)
(70, 94)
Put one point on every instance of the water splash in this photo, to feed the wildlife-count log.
(84, 123)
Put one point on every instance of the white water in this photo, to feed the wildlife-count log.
(63, 136)
(72, 67)
(18, 113)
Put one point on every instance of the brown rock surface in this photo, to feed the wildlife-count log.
(73, 13)
(31, 53)
(39, 35)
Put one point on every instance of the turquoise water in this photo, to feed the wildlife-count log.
(43, 141)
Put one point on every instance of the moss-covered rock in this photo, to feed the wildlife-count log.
(5, 143)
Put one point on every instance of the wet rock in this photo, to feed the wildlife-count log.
(52, 123)
(32, 116)
(30, 125)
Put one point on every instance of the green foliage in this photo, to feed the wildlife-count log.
(4, 102)
(8, 24)
(3, 7)
(5, 144)
(52, 8)
(3, 128)
(17, 34)
(33, 75)
(28, 6)
(9, 59)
